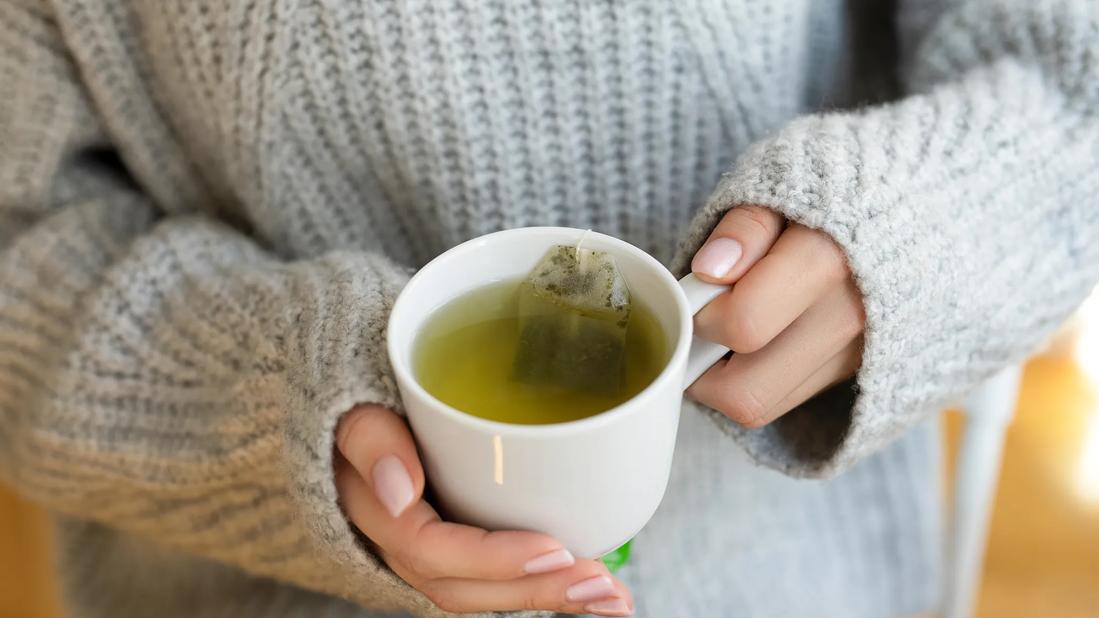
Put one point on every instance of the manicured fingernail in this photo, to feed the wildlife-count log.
(392, 484)
(590, 589)
(717, 257)
(609, 607)
(550, 561)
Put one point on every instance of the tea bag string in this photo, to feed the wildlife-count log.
(579, 256)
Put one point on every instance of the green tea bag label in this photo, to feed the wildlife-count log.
(617, 558)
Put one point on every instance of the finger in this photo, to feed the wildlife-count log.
(802, 266)
(420, 543)
(748, 387)
(378, 444)
(587, 587)
(742, 237)
(838, 368)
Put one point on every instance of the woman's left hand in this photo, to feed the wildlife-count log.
(794, 318)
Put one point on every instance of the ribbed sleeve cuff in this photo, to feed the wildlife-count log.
(334, 347)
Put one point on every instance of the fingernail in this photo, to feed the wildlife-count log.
(609, 607)
(590, 589)
(551, 561)
(717, 257)
(392, 484)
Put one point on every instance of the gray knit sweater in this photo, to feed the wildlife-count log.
(207, 208)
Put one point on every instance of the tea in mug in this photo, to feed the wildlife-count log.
(469, 355)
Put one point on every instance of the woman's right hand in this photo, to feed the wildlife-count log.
(460, 568)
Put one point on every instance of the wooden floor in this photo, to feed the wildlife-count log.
(1043, 556)
(26, 584)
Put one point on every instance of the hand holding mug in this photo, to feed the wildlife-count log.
(794, 316)
(794, 319)
(460, 568)
(587, 486)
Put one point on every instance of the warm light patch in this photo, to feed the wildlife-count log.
(1087, 356)
(1087, 471)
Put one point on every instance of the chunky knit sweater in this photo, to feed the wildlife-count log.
(207, 208)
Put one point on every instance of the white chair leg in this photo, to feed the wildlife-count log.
(988, 412)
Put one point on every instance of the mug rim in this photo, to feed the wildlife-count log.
(407, 378)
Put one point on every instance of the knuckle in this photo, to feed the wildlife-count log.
(450, 606)
(743, 405)
(757, 219)
(391, 561)
(418, 563)
(401, 558)
(741, 331)
(356, 425)
(346, 429)
(530, 602)
(443, 598)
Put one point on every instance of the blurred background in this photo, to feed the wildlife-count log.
(1043, 549)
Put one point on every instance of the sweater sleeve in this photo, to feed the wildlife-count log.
(967, 211)
(164, 375)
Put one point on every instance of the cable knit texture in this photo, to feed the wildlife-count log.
(207, 208)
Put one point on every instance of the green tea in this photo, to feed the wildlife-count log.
(465, 356)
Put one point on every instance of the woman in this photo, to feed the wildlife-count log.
(207, 209)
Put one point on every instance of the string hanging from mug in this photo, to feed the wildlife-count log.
(581, 258)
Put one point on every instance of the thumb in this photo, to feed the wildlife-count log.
(743, 236)
(379, 445)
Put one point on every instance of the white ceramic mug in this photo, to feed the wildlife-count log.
(592, 483)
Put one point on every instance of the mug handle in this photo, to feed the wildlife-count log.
(703, 353)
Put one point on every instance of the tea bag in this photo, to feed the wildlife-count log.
(574, 308)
